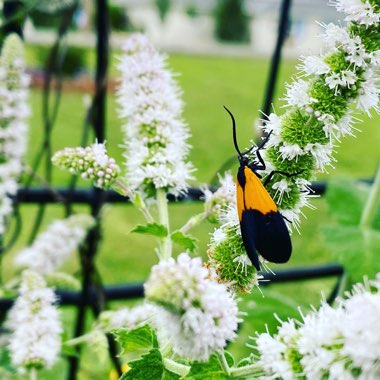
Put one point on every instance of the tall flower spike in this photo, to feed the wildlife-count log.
(52, 247)
(154, 132)
(34, 323)
(13, 129)
(318, 113)
(330, 343)
(91, 163)
(197, 315)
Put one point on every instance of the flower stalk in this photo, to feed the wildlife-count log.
(173, 366)
(163, 214)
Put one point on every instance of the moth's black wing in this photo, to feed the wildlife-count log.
(249, 235)
(267, 234)
(273, 240)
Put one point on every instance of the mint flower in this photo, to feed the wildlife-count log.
(13, 129)
(35, 340)
(129, 318)
(198, 316)
(91, 163)
(341, 342)
(155, 135)
(318, 106)
(52, 247)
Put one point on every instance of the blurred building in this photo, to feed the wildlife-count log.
(183, 30)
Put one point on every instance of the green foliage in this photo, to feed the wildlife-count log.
(192, 10)
(46, 20)
(149, 366)
(140, 338)
(6, 367)
(74, 60)
(211, 370)
(119, 19)
(355, 247)
(188, 242)
(231, 21)
(163, 7)
(154, 229)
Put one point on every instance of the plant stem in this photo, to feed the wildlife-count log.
(373, 200)
(33, 374)
(194, 221)
(120, 187)
(163, 214)
(179, 369)
(223, 362)
(248, 371)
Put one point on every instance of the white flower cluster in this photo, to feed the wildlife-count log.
(127, 318)
(154, 133)
(359, 11)
(91, 163)
(52, 247)
(330, 343)
(13, 128)
(351, 74)
(198, 316)
(225, 195)
(34, 323)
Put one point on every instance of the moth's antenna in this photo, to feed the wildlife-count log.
(234, 132)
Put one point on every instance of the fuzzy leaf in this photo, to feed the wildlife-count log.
(5, 362)
(211, 370)
(346, 201)
(149, 366)
(186, 241)
(358, 250)
(142, 339)
(154, 229)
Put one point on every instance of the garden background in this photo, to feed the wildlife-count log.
(208, 82)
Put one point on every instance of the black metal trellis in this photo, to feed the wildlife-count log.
(93, 294)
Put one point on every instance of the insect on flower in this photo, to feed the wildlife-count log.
(263, 228)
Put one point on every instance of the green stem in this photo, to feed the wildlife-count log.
(223, 362)
(122, 188)
(373, 200)
(179, 369)
(248, 371)
(33, 374)
(194, 221)
(163, 214)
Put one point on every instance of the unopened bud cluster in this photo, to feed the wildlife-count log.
(91, 163)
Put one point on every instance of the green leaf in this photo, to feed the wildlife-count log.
(211, 370)
(346, 201)
(186, 241)
(149, 366)
(358, 250)
(154, 229)
(5, 362)
(142, 339)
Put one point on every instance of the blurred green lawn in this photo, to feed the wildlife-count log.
(208, 83)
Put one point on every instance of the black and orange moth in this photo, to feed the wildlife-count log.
(262, 226)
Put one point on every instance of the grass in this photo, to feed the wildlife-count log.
(208, 83)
